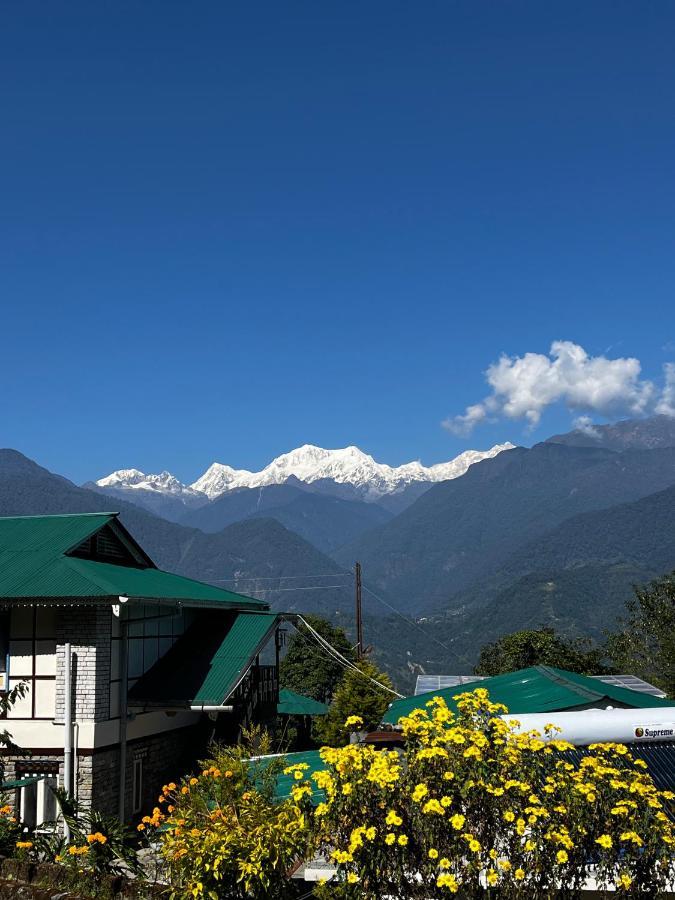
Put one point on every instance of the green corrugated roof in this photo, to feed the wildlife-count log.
(205, 665)
(292, 704)
(533, 690)
(240, 645)
(34, 564)
(284, 783)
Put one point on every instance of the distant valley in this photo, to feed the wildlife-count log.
(551, 535)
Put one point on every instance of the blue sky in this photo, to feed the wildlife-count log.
(229, 229)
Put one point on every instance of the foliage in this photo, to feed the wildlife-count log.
(308, 669)
(645, 646)
(7, 700)
(10, 829)
(475, 803)
(355, 695)
(539, 647)
(222, 834)
(98, 842)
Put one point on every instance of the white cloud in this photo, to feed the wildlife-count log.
(666, 404)
(585, 425)
(523, 386)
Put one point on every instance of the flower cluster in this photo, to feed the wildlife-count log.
(472, 802)
(223, 828)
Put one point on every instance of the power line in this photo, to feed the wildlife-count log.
(283, 577)
(347, 662)
(427, 634)
(318, 587)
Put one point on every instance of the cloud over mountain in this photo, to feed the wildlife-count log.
(523, 386)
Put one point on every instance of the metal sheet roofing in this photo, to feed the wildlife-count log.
(34, 565)
(537, 689)
(426, 683)
(292, 704)
(205, 665)
(660, 759)
(284, 783)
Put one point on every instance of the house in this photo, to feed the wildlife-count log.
(586, 709)
(130, 670)
(539, 689)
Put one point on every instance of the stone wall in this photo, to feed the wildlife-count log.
(88, 629)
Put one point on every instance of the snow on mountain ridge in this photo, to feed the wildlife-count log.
(347, 465)
(309, 463)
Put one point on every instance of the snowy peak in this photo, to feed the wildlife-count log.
(219, 478)
(309, 463)
(134, 479)
(347, 465)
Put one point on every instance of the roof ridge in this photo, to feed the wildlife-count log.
(61, 515)
(556, 675)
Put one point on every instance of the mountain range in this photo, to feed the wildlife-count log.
(554, 534)
(347, 473)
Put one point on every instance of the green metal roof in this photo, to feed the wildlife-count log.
(292, 704)
(284, 783)
(34, 564)
(533, 690)
(206, 664)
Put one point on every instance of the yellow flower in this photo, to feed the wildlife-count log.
(352, 878)
(474, 846)
(24, 845)
(433, 854)
(393, 818)
(448, 881)
(390, 838)
(457, 822)
(509, 816)
(420, 792)
(353, 720)
(492, 877)
(519, 874)
(604, 840)
(624, 881)
(403, 839)
(561, 856)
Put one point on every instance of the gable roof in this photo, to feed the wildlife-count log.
(537, 689)
(206, 664)
(37, 562)
(293, 704)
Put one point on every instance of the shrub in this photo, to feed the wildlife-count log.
(474, 805)
(221, 832)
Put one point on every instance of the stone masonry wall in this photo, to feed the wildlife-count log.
(88, 630)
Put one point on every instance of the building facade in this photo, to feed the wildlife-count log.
(128, 671)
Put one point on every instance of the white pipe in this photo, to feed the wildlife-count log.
(212, 708)
(123, 712)
(68, 729)
(76, 761)
(590, 726)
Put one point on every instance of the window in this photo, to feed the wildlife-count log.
(4, 650)
(152, 630)
(32, 659)
(137, 786)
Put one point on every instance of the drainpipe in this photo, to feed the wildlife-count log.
(67, 728)
(124, 669)
(76, 761)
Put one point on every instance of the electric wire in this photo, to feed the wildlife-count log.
(344, 660)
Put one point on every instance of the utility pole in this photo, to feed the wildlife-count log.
(359, 618)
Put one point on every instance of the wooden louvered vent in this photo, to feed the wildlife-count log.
(106, 546)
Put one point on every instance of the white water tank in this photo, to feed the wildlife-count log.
(591, 726)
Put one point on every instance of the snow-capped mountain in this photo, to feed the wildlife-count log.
(347, 466)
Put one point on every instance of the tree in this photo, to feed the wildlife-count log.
(307, 668)
(645, 645)
(539, 647)
(356, 695)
